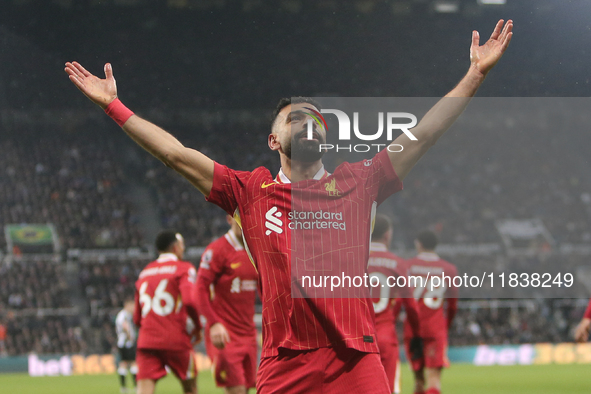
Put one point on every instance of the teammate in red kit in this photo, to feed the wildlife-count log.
(435, 318)
(310, 345)
(230, 334)
(583, 328)
(384, 264)
(164, 299)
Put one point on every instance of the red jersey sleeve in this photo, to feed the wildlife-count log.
(412, 315)
(388, 180)
(187, 283)
(406, 291)
(453, 291)
(210, 268)
(137, 311)
(452, 300)
(587, 314)
(227, 187)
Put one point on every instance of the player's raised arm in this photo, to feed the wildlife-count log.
(191, 164)
(412, 315)
(137, 310)
(187, 288)
(583, 328)
(439, 118)
(218, 333)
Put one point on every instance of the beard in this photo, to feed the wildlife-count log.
(303, 149)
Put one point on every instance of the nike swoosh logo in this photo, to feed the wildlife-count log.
(235, 265)
(265, 185)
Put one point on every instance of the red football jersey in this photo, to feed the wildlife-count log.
(434, 322)
(226, 267)
(384, 264)
(263, 207)
(164, 298)
(388, 299)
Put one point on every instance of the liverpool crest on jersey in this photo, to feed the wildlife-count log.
(331, 188)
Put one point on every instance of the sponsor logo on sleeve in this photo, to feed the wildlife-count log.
(192, 275)
(206, 259)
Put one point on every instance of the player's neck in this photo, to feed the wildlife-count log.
(384, 240)
(299, 171)
(237, 237)
(378, 246)
(429, 254)
(167, 256)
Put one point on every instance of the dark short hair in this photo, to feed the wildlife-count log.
(381, 226)
(285, 101)
(427, 239)
(165, 240)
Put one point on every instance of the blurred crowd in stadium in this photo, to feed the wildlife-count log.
(79, 186)
(73, 183)
(76, 173)
(77, 182)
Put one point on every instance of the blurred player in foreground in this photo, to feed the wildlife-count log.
(384, 264)
(164, 298)
(126, 338)
(308, 343)
(230, 334)
(583, 328)
(435, 318)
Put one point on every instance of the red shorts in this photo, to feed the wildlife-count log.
(391, 362)
(389, 354)
(322, 371)
(434, 354)
(236, 364)
(151, 363)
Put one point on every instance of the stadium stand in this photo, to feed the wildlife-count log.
(89, 198)
(515, 322)
(44, 335)
(71, 181)
(65, 164)
(33, 284)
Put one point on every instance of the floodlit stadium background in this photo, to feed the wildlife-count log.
(211, 72)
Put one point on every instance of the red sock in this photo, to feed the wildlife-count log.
(433, 391)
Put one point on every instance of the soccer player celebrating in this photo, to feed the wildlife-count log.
(435, 320)
(384, 264)
(126, 336)
(310, 345)
(582, 330)
(230, 334)
(164, 299)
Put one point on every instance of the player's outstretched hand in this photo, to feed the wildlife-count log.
(582, 330)
(219, 335)
(484, 57)
(99, 91)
